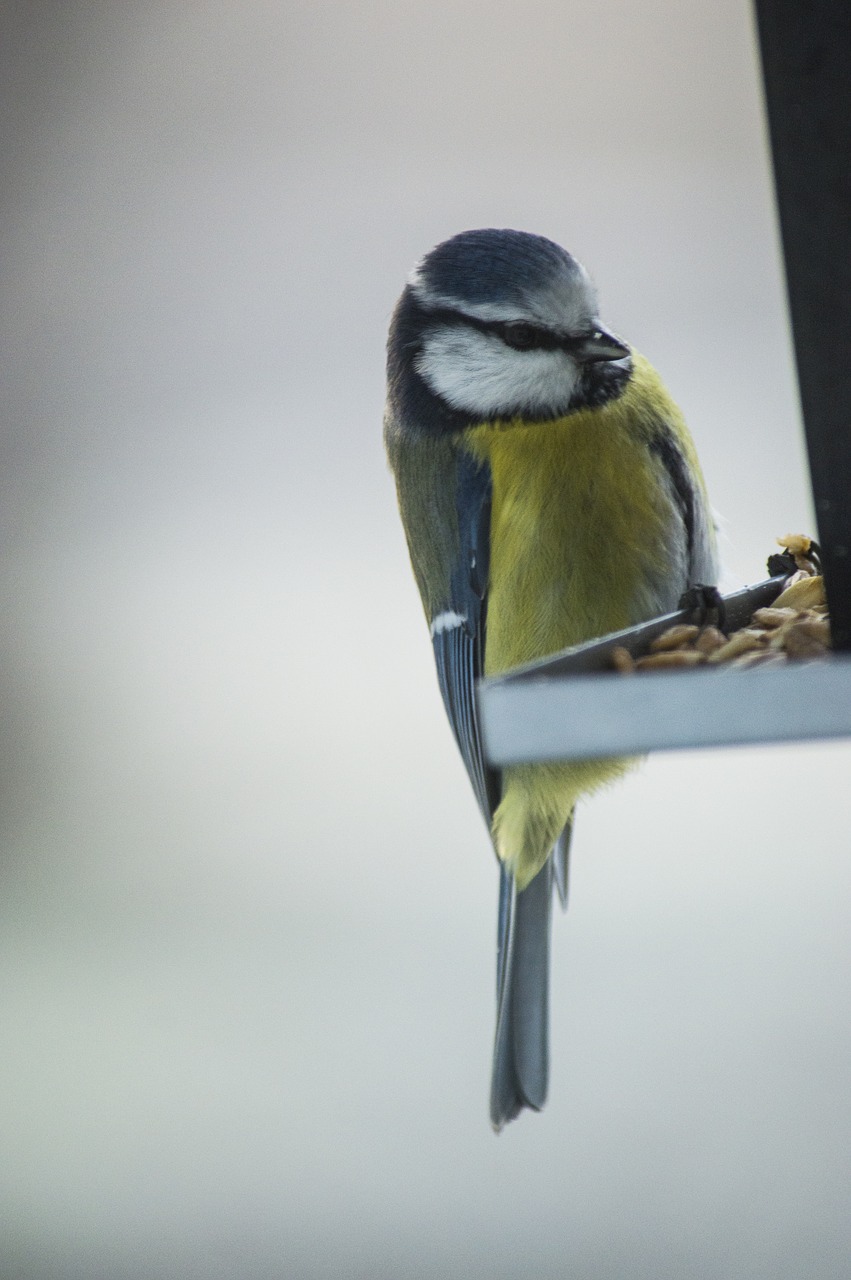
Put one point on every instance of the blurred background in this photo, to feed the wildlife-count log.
(248, 905)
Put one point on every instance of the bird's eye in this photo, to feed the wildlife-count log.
(521, 336)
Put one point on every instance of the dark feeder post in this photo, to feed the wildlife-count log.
(570, 706)
(806, 59)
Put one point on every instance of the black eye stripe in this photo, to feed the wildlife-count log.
(520, 335)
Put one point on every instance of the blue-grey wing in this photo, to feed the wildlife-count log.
(700, 563)
(458, 632)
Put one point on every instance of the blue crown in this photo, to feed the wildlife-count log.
(491, 265)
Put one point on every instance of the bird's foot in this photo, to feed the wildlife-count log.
(706, 603)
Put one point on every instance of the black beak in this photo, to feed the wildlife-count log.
(590, 348)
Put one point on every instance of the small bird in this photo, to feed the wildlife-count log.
(550, 493)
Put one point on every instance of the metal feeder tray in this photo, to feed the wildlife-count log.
(573, 706)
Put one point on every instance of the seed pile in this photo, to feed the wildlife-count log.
(795, 627)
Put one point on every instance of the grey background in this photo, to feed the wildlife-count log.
(247, 904)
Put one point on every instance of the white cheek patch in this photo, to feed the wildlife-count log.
(447, 621)
(478, 374)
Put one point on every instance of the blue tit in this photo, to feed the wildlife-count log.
(550, 493)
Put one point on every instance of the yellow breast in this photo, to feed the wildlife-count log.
(580, 520)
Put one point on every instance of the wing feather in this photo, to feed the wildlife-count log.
(458, 634)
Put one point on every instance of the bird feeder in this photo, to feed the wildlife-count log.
(571, 705)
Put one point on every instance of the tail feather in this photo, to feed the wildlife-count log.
(521, 1050)
(561, 862)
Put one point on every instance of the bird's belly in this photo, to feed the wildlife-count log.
(584, 538)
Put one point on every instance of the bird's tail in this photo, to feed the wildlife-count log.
(521, 1050)
(561, 862)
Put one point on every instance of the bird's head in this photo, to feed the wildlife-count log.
(502, 324)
